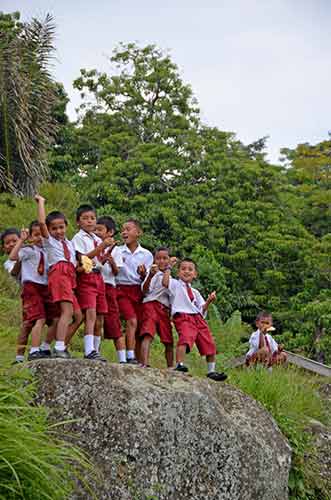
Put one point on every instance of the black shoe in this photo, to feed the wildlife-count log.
(35, 355)
(218, 377)
(46, 353)
(61, 354)
(18, 362)
(181, 368)
(94, 355)
(132, 361)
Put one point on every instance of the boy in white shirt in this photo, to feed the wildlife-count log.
(188, 309)
(156, 308)
(111, 263)
(136, 260)
(263, 348)
(37, 306)
(91, 291)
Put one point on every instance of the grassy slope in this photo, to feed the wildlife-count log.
(289, 394)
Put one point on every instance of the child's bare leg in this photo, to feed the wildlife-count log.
(36, 333)
(180, 353)
(121, 349)
(78, 319)
(130, 337)
(64, 321)
(90, 320)
(169, 354)
(144, 349)
(22, 339)
(97, 332)
(137, 349)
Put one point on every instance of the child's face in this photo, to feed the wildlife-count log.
(130, 233)
(35, 236)
(57, 229)
(102, 231)
(87, 221)
(9, 242)
(162, 259)
(264, 323)
(187, 272)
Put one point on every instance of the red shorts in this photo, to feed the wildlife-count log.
(129, 298)
(91, 292)
(111, 320)
(155, 318)
(193, 329)
(62, 283)
(37, 303)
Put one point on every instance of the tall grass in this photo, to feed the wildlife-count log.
(34, 463)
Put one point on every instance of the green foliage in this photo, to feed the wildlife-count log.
(34, 463)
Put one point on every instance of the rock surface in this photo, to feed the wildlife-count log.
(162, 435)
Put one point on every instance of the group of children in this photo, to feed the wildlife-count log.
(93, 280)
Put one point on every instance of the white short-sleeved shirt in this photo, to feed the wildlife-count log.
(180, 302)
(254, 342)
(156, 290)
(9, 266)
(85, 243)
(106, 270)
(30, 258)
(55, 252)
(128, 274)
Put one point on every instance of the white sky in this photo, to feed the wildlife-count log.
(256, 67)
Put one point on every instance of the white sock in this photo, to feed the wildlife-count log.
(45, 346)
(34, 349)
(97, 342)
(211, 367)
(59, 345)
(88, 344)
(121, 356)
(19, 357)
(130, 354)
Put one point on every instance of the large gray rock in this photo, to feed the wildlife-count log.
(162, 435)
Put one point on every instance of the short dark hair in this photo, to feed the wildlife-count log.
(135, 222)
(162, 249)
(8, 232)
(108, 222)
(55, 215)
(84, 208)
(187, 259)
(33, 224)
(263, 314)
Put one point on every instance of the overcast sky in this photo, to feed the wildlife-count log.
(256, 67)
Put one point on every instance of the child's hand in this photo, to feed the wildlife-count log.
(211, 297)
(109, 242)
(38, 198)
(141, 270)
(24, 234)
(153, 270)
(173, 261)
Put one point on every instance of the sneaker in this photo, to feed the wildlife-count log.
(61, 354)
(35, 355)
(132, 361)
(94, 355)
(181, 368)
(218, 377)
(17, 362)
(46, 353)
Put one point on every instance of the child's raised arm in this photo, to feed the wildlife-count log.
(211, 298)
(153, 270)
(42, 215)
(23, 237)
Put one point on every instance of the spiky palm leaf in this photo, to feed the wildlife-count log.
(27, 98)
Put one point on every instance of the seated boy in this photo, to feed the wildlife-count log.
(188, 309)
(155, 314)
(37, 306)
(263, 348)
(91, 291)
(136, 260)
(111, 263)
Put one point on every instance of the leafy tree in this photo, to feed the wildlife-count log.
(27, 96)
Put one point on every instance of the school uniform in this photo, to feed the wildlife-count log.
(264, 349)
(155, 311)
(111, 320)
(128, 281)
(187, 313)
(91, 290)
(35, 296)
(62, 270)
